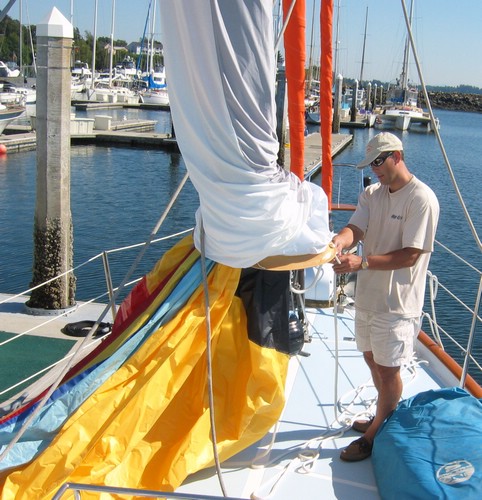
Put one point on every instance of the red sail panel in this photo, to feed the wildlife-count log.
(326, 84)
(295, 56)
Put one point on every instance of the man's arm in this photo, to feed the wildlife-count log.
(398, 259)
(349, 236)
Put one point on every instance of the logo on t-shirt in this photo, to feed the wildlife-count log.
(398, 217)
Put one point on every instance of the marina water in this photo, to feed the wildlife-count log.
(119, 193)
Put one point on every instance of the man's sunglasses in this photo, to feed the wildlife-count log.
(378, 162)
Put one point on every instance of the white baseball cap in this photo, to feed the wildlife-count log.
(378, 144)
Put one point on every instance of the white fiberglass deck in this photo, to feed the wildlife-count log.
(300, 457)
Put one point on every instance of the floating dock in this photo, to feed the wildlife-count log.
(313, 151)
(17, 138)
(140, 133)
(96, 105)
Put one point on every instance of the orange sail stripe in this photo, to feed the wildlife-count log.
(326, 84)
(295, 53)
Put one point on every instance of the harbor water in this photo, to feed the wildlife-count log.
(118, 195)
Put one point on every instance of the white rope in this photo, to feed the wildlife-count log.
(433, 289)
(335, 321)
(266, 451)
(317, 277)
(303, 463)
(209, 363)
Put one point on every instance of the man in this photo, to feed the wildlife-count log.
(396, 219)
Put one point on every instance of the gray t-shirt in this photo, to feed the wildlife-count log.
(392, 221)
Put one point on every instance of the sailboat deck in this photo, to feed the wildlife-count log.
(16, 320)
(328, 386)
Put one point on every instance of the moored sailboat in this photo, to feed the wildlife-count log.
(155, 91)
(401, 108)
(151, 82)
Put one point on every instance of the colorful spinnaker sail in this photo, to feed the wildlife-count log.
(140, 417)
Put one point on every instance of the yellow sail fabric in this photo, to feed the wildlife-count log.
(148, 425)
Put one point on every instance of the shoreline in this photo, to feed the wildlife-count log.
(453, 101)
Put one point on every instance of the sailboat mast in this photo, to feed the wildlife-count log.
(32, 48)
(406, 55)
(337, 41)
(153, 22)
(363, 50)
(20, 38)
(94, 44)
(310, 63)
(111, 60)
(326, 85)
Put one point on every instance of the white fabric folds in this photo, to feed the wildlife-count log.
(220, 68)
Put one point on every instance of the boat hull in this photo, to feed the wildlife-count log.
(403, 119)
(8, 114)
(156, 97)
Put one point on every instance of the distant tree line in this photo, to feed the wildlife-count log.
(10, 41)
(461, 89)
(82, 46)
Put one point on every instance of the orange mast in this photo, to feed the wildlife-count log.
(295, 56)
(326, 84)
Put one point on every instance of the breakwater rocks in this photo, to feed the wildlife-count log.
(454, 101)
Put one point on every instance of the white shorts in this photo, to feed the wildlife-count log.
(390, 337)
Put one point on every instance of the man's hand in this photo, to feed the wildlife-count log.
(347, 263)
(338, 245)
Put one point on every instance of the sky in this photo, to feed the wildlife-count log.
(447, 33)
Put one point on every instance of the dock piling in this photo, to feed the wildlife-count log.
(53, 232)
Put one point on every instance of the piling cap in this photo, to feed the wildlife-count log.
(378, 144)
(55, 25)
